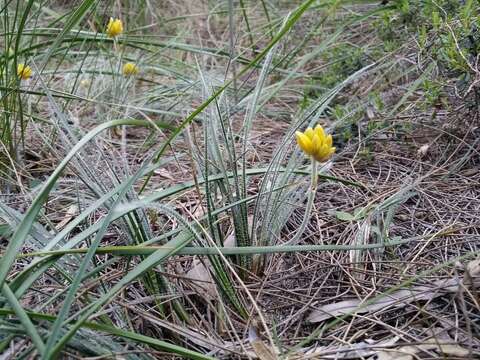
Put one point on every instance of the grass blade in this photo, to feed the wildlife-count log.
(24, 318)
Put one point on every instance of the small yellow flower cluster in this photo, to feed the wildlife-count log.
(130, 69)
(316, 143)
(114, 27)
(24, 72)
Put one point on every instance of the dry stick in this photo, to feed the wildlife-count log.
(440, 232)
(17, 175)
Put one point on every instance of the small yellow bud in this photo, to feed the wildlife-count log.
(114, 27)
(130, 69)
(316, 143)
(24, 71)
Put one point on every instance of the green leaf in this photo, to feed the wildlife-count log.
(160, 255)
(155, 343)
(5, 230)
(23, 317)
(345, 216)
(23, 229)
(208, 250)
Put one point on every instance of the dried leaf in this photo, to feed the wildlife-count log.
(203, 279)
(394, 354)
(71, 212)
(423, 150)
(398, 299)
(360, 350)
(262, 350)
(410, 352)
(453, 350)
(473, 268)
(202, 274)
(472, 273)
(165, 174)
(370, 112)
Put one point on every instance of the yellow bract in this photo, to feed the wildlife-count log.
(114, 27)
(24, 71)
(316, 143)
(130, 69)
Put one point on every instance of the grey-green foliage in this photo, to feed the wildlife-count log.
(271, 214)
(111, 192)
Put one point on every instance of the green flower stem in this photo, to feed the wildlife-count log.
(134, 250)
(311, 197)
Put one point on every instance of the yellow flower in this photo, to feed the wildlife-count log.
(24, 71)
(114, 27)
(85, 83)
(130, 69)
(316, 143)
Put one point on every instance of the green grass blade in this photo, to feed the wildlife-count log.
(23, 230)
(75, 284)
(152, 260)
(155, 343)
(208, 250)
(24, 318)
(79, 13)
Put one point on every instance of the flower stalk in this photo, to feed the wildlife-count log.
(319, 146)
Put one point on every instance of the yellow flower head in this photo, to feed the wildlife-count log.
(130, 69)
(85, 83)
(24, 71)
(316, 143)
(114, 27)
